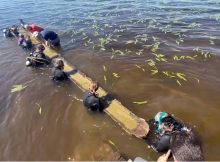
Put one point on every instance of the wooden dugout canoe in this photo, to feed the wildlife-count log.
(120, 114)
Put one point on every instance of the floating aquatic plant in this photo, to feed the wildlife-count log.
(130, 42)
(139, 52)
(181, 76)
(147, 46)
(154, 71)
(17, 88)
(142, 37)
(151, 63)
(105, 79)
(20, 87)
(166, 29)
(178, 82)
(178, 58)
(95, 26)
(117, 52)
(40, 109)
(96, 33)
(105, 41)
(104, 68)
(139, 67)
(168, 74)
(211, 42)
(160, 57)
(204, 53)
(194, 25)
(179, 40)
(112, 143)
(155, 46)
(140, 102)
(115, 75)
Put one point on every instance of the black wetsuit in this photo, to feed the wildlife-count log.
(15, 33)
(92, 102)
(38, 59)
(28, 44)
(9, 33)
(158, 141)
(59, 74)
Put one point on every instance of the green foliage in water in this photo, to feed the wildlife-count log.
(118, 39)
(18, 88)
(140, 102)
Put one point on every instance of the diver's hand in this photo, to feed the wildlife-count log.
(164, 157)
(94, 92)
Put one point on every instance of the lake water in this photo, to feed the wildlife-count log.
(166, 52)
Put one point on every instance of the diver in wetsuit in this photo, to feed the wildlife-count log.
(58, 73)
(11, 32)
(21, 40)
(51, 38)
(24, 42)
(28, 42)
(7, 33)
(37, 58)
(91, 100)
(161, 129)
(30, 27)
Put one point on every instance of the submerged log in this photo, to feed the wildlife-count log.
(106, 153)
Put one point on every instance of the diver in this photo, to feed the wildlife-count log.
(37, 58)
(50, 38)
(184, 146)
(7, 33)
(28, 42)
(58, 73)
(14, 31)
(21, 39)
(31, 28)
(11, 32)
(161, 129)
(24, 42)
(168, 134)
(91, 100)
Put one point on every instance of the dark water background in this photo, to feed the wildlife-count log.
(122, 36)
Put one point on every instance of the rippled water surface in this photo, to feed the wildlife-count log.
(164, 52)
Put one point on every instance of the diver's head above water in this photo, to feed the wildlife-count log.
(94, 87)
(91, 100)
(60, 64)
(39, 48)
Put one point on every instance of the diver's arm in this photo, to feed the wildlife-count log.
(164, 157)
